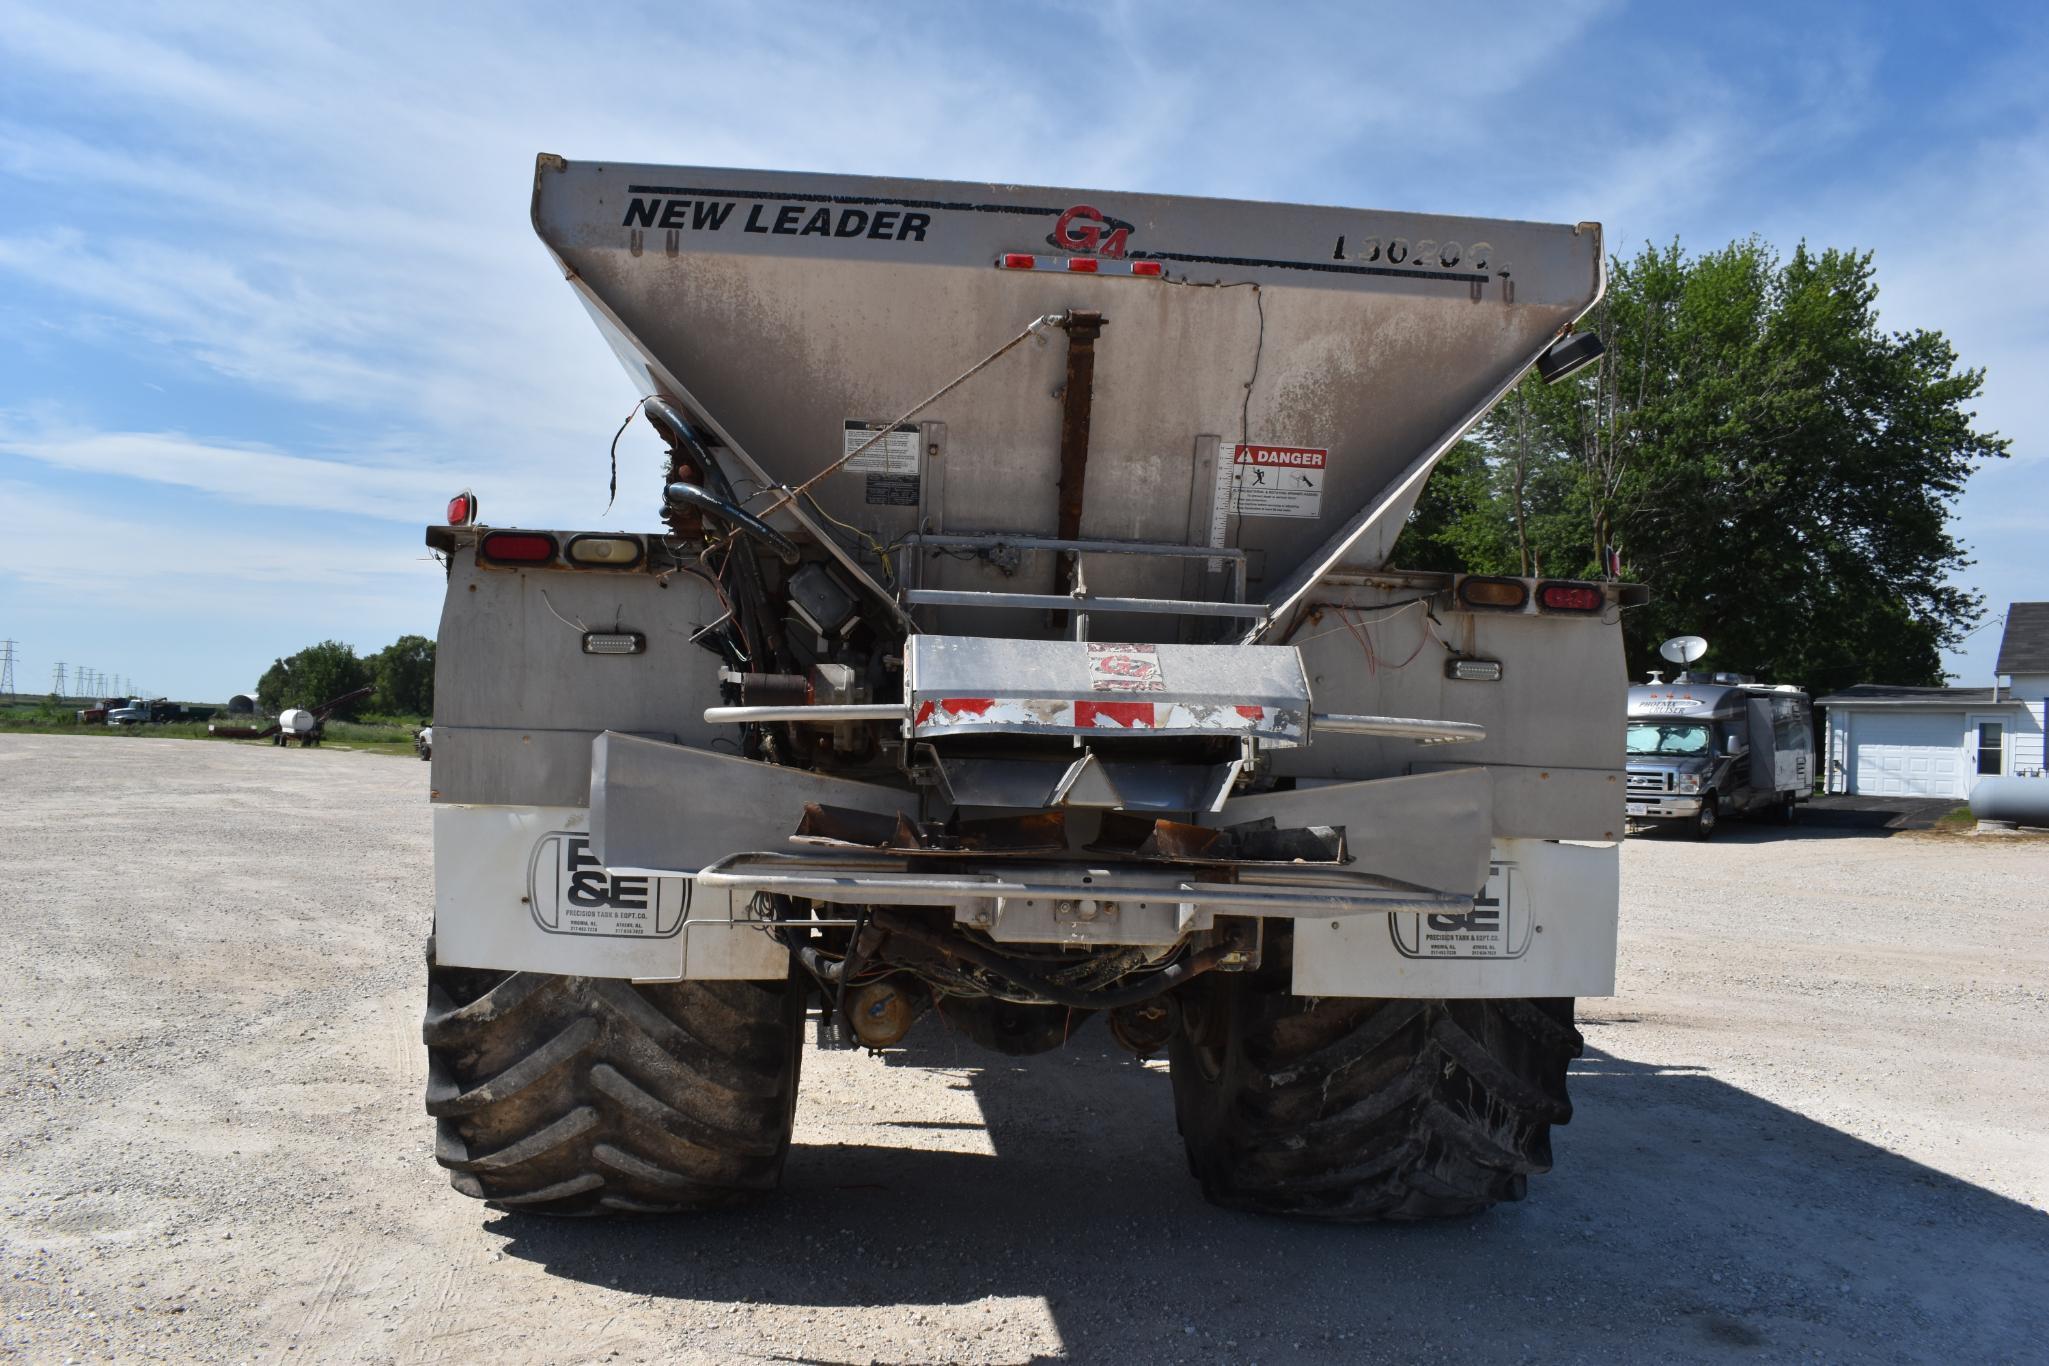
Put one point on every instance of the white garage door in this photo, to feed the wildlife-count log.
(1908, 754)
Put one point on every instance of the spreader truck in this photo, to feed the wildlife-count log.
(1015, 649)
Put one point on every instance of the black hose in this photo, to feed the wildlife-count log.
(1166, 979)
(708, 502)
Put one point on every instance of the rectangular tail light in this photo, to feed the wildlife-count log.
(614, 642)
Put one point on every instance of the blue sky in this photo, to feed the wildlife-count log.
(268, 292)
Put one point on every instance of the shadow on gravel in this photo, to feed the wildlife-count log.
(1830, 817)
(1684, 1213)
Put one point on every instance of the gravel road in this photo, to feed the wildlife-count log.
(1814, 1123)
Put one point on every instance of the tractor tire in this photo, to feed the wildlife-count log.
(1351, 1110)
(583, 1095)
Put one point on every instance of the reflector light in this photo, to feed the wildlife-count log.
(1570, 597)
(613, 642)
(462, 509)
(609, 552)
(1079, 265)
(1500, 595)
(1473, 670)
(518, 547)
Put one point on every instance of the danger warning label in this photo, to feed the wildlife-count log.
(1278, 481)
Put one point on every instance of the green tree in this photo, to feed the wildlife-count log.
(403, 673)
(1779, 469)
(316, 674)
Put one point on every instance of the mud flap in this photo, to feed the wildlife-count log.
(1544, 925)
(521, 889)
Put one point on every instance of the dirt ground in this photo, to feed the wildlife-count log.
(1814, 1124)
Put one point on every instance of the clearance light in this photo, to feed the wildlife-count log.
(1493, 595)
(1571, 597)
(603, 552)
(518, 547)
(614, 642)
(1473, 670)
(1079, 265)
(462, 509)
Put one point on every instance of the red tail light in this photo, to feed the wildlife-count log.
(1571, 597)
(518, 547)
(1082, 265)
(1145, 267)
(1017, 260)
(462, 509)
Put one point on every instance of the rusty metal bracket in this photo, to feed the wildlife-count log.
(1077, 401)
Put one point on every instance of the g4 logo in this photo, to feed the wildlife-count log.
(1084, 228)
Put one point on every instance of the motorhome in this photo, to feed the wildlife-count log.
(1705, 746)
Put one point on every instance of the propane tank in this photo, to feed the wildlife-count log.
(297, 721)
(2016, 801)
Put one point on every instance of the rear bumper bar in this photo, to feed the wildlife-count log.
(1280, 891)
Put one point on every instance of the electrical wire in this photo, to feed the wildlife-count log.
(613, 496)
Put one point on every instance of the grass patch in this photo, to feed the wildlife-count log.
(1957, 821)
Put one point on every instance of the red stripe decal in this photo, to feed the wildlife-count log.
(967, 706)
(1128, 715)
(1252, 713)
(924, 714)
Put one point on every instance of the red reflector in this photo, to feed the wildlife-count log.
(462, 509)
(1017, 260)
(1570, 597)
(1145, 267)
(1082, 265)
(518, 547)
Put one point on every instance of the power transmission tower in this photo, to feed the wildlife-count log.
(57, 681)
(6, 668)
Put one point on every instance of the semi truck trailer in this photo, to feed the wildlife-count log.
(1013, 648)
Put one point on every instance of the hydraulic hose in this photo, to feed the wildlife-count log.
(706, 501)
(1166, 979)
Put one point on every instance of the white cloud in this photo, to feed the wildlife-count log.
(238, 474)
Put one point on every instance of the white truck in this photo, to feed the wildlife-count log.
(1019, 644)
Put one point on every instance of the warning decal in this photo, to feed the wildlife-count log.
(896, 453)
(1278, 481)
(1125, 668)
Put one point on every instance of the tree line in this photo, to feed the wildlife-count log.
(1779, 469)
(402, 674)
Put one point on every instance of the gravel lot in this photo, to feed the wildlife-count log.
(1815, 1122)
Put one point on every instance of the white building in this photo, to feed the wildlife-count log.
(1937, 742)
